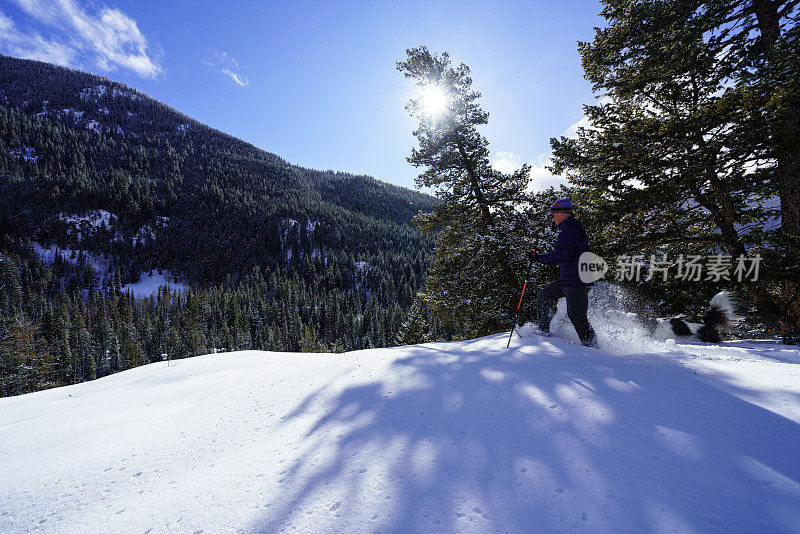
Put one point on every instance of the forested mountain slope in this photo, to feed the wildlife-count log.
(100, 183)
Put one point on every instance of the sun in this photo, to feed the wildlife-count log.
(433, 100)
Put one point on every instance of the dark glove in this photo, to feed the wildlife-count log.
(532, 256)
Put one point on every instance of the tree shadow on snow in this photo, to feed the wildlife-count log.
(540, 438)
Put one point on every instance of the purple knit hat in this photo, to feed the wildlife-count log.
(561, 206)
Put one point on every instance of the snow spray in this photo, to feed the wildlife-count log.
(527, 274)
(615, 314)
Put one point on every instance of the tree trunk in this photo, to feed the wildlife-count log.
(476, 187)
(724, 215)
(510, 280)
(787, 135)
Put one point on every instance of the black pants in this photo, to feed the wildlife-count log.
(577, 305)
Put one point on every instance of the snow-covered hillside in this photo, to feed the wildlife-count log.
(545, 436)
(149, 284)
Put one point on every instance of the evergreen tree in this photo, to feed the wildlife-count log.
(415, 329)
(309, 342)
(195, 342)
(113, 354)
(101, 337)
(10, 383)
(483, 225)
(697, 138)
(61, 345)
(26, 367)
(83, 360)
(173, 344)
(129, 352)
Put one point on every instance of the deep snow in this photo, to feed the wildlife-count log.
(545, 436)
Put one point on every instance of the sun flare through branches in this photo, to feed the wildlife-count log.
(433, 101)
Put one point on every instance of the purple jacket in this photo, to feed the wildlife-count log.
(572, 242)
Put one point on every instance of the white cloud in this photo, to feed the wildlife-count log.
(32, 45)
(583, 122)
(228, 66)
(235, 77)
(110, 40)
(541, 178)
(506, 162)
(572, 131)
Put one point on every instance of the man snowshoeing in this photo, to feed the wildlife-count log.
(572, 241)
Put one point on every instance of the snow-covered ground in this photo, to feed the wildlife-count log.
(25, 152)
(100, 262)
(81, 226)
(544, 436)
(149, 284)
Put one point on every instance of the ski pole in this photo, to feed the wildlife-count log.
(527, 274)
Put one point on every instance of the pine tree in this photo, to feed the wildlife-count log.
(35, 368)
(195, 339)
(697, 135)
(173, 344)
(101, 336)
(10, 364)
(130, 355)
(67, 370)
(482, 225)
(415, 329)
(83, 361)
(113, 354)
(309, 341)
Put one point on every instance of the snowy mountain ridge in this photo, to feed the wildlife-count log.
(545, 436)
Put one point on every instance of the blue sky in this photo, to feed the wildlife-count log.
(315, 82)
